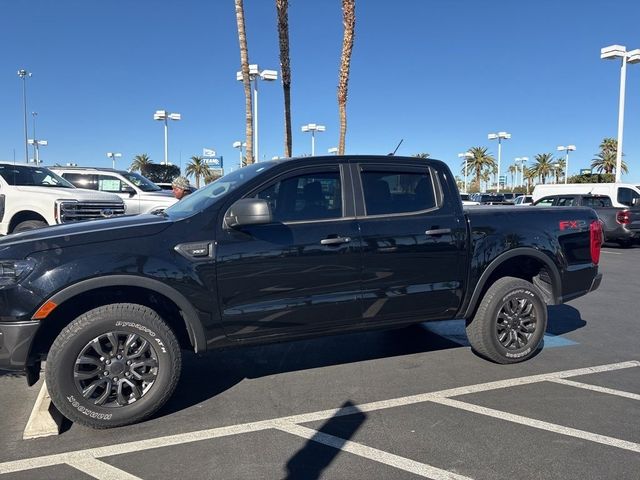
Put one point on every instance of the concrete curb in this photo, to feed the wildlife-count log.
(45, 419)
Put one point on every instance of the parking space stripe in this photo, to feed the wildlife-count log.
(100, 470)
(386, 458)
(440, 396)
(596, 388)
(539, 424)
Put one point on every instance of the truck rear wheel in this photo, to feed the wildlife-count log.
(113, 365)
(510, 321)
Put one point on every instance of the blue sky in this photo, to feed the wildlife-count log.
(440, 74)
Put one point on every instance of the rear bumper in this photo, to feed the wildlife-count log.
(15, 343)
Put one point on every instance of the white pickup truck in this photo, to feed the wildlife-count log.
(34, 197)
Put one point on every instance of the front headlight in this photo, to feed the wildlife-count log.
(13, 270)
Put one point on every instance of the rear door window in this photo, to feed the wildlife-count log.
(397, 191)
(596, 202)
(82, 180)
(566, 202)
(626, 196)
(545, 202)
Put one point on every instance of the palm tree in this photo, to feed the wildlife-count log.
(198, 168)
(282, 6)
(246, 80)
(606, 158)
(479, 162)
(349, 23)
(528, 174)
(559, 169)
(421, 155)
(543, 166)
(139, 162)
(513, 170)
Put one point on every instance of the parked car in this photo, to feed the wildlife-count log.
(620, 225)
(621, 194)
(491, 199)
(138, 193)
(466, 200)
(509, 197)
(35, 197)
(523, 200)
(283, 249)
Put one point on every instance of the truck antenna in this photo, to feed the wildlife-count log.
(394, 152)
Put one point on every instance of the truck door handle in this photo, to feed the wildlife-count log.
(335, 240)
(438, 231)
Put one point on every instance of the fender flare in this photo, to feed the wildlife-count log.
(190, 316)
(500, 259)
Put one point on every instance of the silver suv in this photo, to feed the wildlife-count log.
(139, 194)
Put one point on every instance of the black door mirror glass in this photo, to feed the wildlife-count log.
(248, 211)
(127, 189)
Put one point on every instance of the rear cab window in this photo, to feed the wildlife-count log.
(397, 190)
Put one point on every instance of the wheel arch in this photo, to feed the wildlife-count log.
(23, 216)
(87, 294)
(525, 263)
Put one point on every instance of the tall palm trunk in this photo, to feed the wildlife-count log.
(246, 80)
(282, 7)
(349, 23)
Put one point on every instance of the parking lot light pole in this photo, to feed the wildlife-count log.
(240, 145)
(567, 149)
(499, 136)
(36, 148)
(113, 156)
(466, 156)
(313, 128)
(611, 53)
(521, 161)
(164, 116)
(256, 74)
(23, 74)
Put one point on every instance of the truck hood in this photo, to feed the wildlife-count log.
(81, 194)
(18, 245)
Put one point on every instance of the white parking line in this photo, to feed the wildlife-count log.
(531, 422)
(595, 388)
(438, 397)
(401, 463)
(100, 470)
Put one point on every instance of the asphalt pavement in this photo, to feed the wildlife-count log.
(406, 403)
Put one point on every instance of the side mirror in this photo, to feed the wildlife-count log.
(248, 211)
(635, 201)
(129, 190)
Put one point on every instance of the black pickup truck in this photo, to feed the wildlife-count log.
(619, 225)
(274, 251)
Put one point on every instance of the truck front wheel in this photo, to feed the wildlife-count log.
(29, 225)
(510, 321)
(113, 365)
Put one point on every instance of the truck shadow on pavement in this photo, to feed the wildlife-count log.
(563, 319)
(224, 369)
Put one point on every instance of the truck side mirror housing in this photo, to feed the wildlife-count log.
(129, 190)
(248, 211)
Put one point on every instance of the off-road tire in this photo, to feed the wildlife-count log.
(124, 320)
(488, 333)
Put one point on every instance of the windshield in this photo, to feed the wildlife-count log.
(22, 175)
(207, 196)
(141, 182)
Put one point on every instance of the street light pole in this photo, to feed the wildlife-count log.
(239, 145)
(567, 149)
(254, 74)
(113, 157)
(23, 74)
(521, 161)
(466, 156)
(163, 115)
(499, 136)
(610, 53)
(313, 128)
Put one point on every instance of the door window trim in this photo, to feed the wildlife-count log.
(346, 192)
